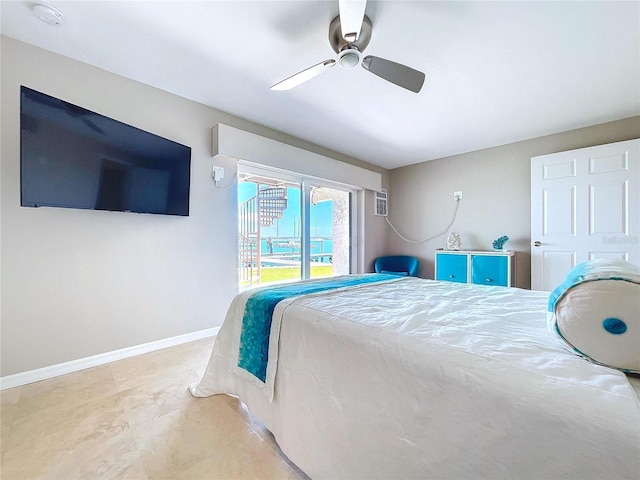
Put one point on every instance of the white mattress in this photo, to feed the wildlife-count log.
(422, 379)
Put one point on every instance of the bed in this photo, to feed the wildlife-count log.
(412, 378)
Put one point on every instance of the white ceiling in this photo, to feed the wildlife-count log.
(496, 72)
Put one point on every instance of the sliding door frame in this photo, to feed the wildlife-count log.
(356, 209)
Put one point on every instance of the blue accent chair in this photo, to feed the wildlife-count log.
(403, 265)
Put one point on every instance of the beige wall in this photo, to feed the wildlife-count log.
(77, 283)
(496, 199)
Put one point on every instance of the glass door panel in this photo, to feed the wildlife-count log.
(291, 228)
(269, 230)
(330, 232)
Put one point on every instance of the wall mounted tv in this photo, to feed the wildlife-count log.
(75, 158)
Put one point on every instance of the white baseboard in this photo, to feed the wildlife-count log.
(18, 379)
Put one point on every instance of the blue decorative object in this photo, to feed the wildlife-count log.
(498, 244)
(614, 325)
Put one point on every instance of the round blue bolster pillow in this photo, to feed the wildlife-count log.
(596, 311)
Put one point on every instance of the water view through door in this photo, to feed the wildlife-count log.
(289, 229)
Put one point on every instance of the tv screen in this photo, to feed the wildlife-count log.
(75, 158)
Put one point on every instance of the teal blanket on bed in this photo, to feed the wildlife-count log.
(258, 314)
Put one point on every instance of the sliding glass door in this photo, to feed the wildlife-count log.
(330, 231)
(269, 230)
(290, 228)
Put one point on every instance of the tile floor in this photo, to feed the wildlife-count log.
(135, 419)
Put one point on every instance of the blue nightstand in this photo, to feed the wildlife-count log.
(479, 267)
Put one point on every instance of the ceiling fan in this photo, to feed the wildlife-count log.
(349, 35)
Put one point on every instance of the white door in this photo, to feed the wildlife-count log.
(585, 204)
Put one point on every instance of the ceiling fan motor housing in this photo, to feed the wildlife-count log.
(339, 44)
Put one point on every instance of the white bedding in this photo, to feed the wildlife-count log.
(421, 379)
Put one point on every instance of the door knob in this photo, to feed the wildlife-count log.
(537, 243)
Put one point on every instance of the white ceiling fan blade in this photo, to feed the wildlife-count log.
(351, 17)
(303, 76)
(393, 72)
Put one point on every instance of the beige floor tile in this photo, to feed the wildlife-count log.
(185, 437)
(100, 457)
(143, 405)
(63, 427)
(10, 396)
(212, 443)
(135, 419)
(148, 369)
(165, 368)
(240, 409)
(91, 440)
(201, 348)
(257, 463)
(68, 391)
(8, 407)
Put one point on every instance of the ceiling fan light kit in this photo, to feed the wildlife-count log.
(349, 58)
(349, 35)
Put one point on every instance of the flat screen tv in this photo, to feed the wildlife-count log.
(75, 158)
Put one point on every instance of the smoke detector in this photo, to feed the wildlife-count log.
(48, 14)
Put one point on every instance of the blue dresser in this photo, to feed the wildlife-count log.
(484, 268)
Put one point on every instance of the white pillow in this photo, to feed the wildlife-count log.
(596, 311)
